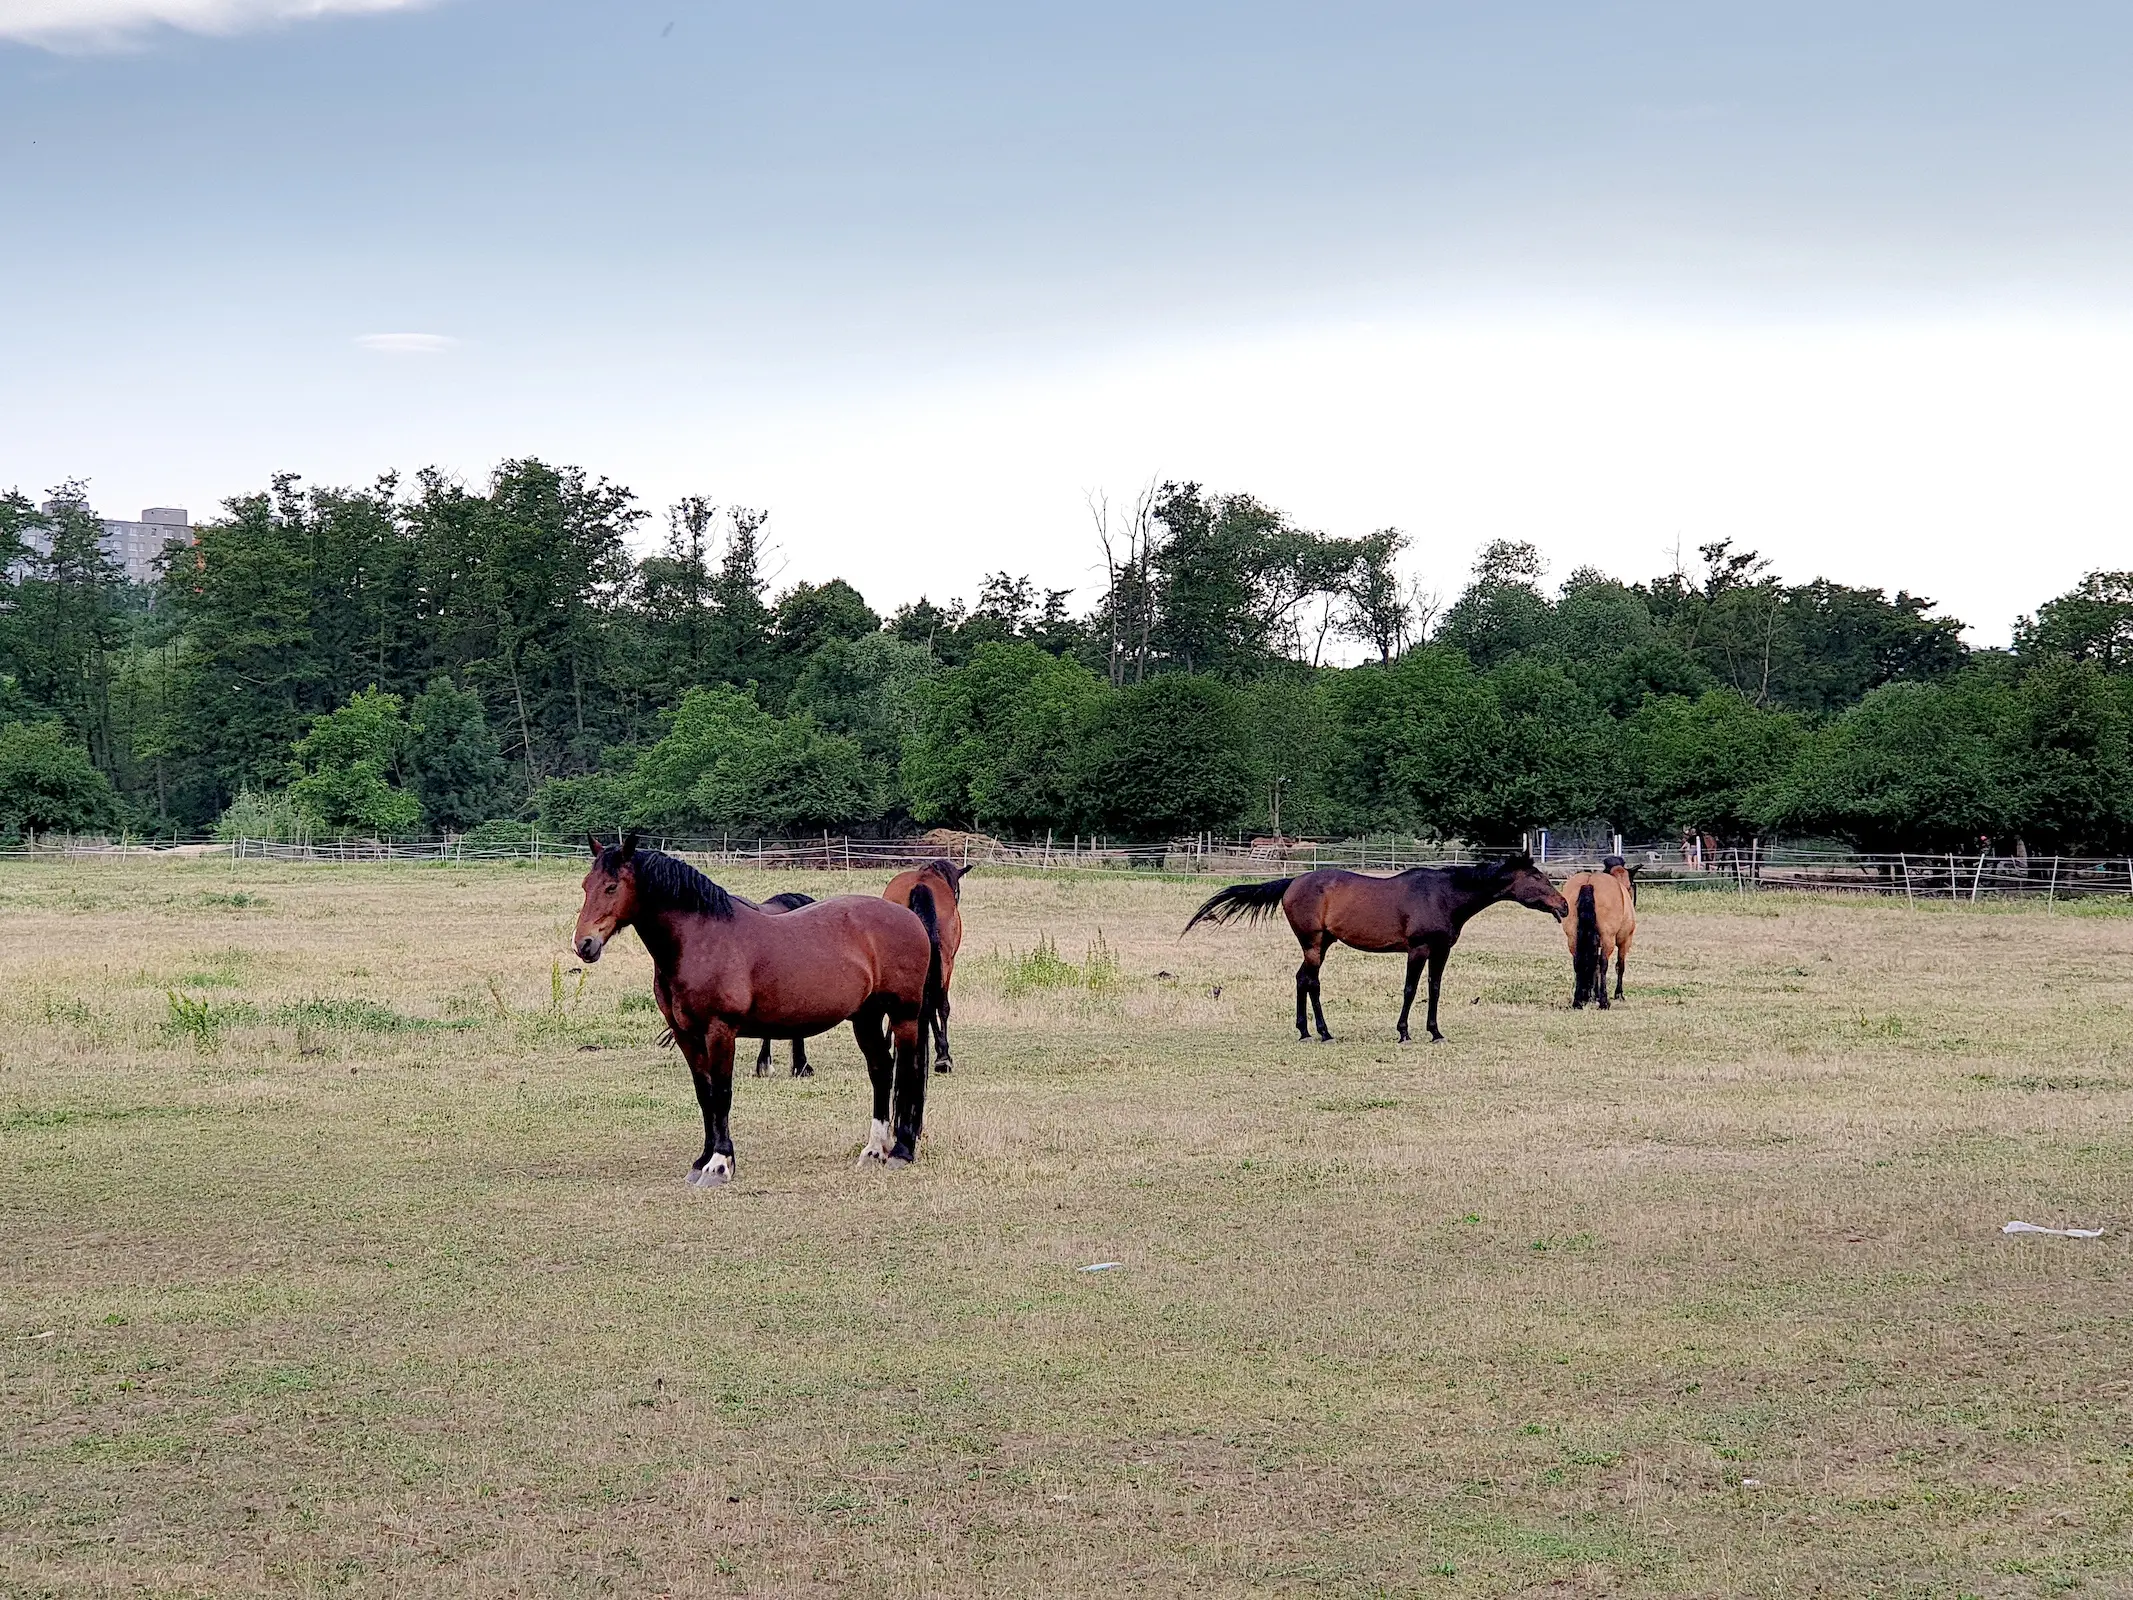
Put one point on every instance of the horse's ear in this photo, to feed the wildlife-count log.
(964, 871)
(599, 849)
(629, 845)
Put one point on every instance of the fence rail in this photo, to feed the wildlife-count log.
(1917, 876)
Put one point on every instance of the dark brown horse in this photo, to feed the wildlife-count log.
(944, 880)
(722, 968)
(1421, 911)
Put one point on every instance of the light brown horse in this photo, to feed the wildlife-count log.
(1601, 924)
(1420, 911)
(722, 968)
(944, 880)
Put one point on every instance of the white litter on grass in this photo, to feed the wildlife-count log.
(1100, 1266)
(1751, 1483)
(2057, 1233)
(48, 1333)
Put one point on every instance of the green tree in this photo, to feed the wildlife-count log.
(48, 784)
(1410, 743)
(1700, 764)
(346, 769)
(727, 764)
(2069, 754)
(453, 757)
(1502, 612)
(999, 740)
(1166, 757)
(808, 617)
(867, 689)
(1913, 765)
(2091, 622)
(68, 621)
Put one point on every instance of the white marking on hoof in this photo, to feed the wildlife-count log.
(877, 1143)
(718, 1170)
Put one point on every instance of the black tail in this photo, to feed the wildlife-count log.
(1250, 901)
(1585, 953)
(936, 992)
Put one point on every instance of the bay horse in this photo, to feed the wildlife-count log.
(721, 968)
(1420, 911)
(944, 880)
(1601, 924)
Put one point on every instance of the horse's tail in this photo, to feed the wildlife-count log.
(936, 991)
(1250, 901)
(1585, 953)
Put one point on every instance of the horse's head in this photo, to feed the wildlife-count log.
(610, 895)
(1529, 886)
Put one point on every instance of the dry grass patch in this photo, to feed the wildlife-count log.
(376, 1275)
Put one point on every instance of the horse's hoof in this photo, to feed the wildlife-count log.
(902, 1156)
(944, 1066)
(803, 1072)
(877, 1148)
(718, 1170)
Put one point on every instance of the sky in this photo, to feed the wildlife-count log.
(1849, 284)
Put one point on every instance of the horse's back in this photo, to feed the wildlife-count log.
(1359, 910)
(1612, 909)
(827, 960)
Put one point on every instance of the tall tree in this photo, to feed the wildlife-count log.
(69, 621)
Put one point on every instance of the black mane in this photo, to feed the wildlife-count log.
(668, 883)
(1485, 874)
(943, 868)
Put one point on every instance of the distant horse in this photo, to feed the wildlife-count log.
(1601, 924)
(1420, 911)
(944, 879)
(790, 900)
(722, 968)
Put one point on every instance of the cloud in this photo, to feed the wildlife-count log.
(104, 24)
(407, 344)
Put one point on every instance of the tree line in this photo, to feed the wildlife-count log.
(425, 656)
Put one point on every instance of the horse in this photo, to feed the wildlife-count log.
(1601, 924)
(1420, 911)
(790, 900)
(721, 968)
(944, 879)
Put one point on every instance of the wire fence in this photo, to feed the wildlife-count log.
(1916, 876)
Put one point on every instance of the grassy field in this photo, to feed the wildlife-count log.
(364, 1265)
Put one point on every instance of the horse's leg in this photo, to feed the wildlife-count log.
(1304, 971)
(869, 1028)
(943, 1063)
(1415, 960)
(710, 1056)
(1317, 962)
(1599, 982)
(800, 1068)
(762, 1061)
(1438, 954)
(1621, 965)
(910, 1092)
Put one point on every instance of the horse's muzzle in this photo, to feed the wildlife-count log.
(590, 946)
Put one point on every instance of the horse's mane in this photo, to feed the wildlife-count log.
(1486, 873)
(944, 869)
(670, 883)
